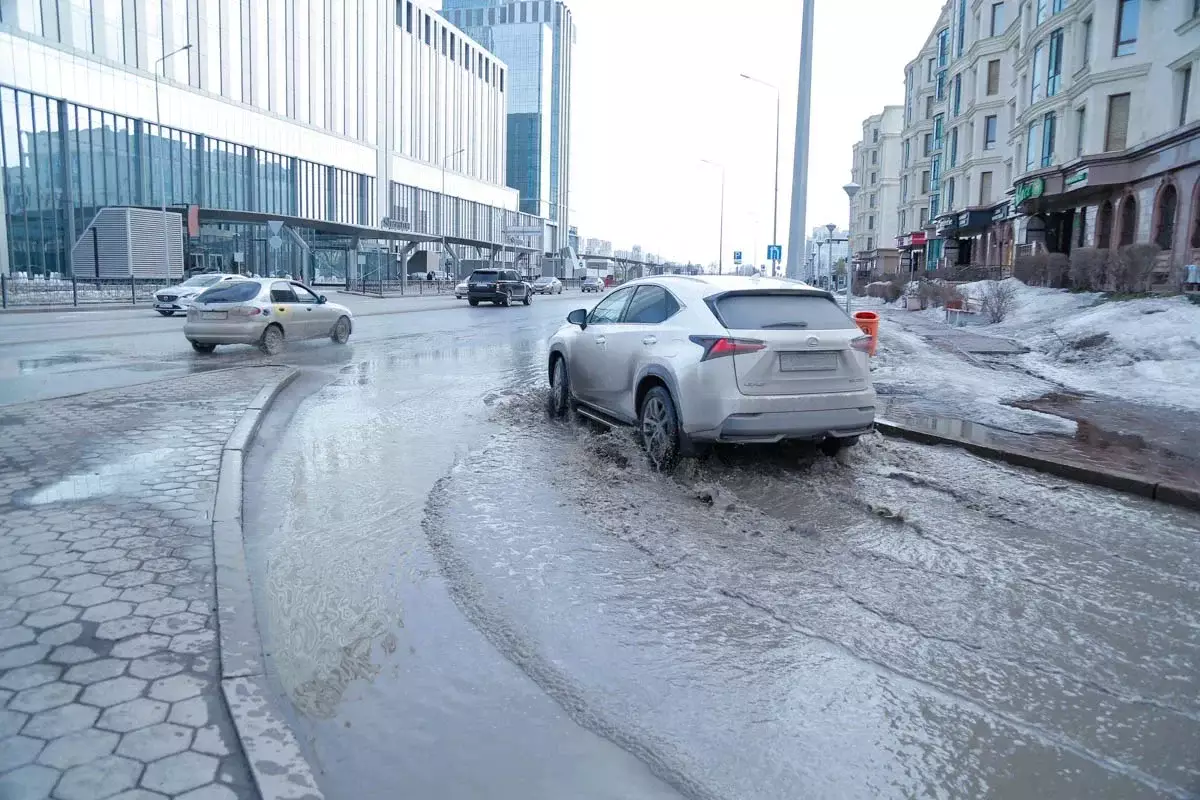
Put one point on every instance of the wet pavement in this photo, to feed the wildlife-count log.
(463, 599)
(108, 650)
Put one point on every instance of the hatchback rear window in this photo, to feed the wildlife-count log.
(781, 311)
(231, 292)
(485, 275)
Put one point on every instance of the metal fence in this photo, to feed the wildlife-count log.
(19, 292)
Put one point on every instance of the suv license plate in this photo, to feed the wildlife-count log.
(803, 362)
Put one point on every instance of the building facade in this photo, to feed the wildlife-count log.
(1106, 138)
(824, 249)
(369, 113)
(536, 38)
(874, 221)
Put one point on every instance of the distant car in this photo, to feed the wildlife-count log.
(460, 291)
(179, 298)
(266, 312)
(591, 285)
(499, 286)
(693, 360)
(547, 284)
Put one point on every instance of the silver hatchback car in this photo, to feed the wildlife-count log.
(265, 312)
(692, 360)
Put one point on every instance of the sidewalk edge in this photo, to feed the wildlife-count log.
(1171, 494)
(280, 769)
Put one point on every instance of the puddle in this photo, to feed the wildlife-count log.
(107, 480)
(27, 365)
(1093, 443)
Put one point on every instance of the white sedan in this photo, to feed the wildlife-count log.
(179, 298)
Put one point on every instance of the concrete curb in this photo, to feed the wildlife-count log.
(1107, 478)
(279, 768)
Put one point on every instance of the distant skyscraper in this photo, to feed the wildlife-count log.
(535, 39)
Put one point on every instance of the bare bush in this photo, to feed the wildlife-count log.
(1133, 267)
(999, 298)
(930, 294)
(1088, 268)
(1030, 268)
(951, 297)
(1057, 265)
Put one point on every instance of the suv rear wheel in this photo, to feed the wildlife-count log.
(658, 428)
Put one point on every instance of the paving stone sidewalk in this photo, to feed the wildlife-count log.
(109, 669)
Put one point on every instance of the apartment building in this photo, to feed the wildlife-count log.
(1106, 133)
(874, 224)
(921, 137)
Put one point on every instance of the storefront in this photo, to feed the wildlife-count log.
(911, 250)
(1145, 194)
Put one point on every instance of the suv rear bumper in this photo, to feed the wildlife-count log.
(779, 425)
(487, 297)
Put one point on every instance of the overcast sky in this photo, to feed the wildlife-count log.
(657, 89)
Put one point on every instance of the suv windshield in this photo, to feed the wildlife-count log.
(201, 280)
(231, 292)
(768, 311)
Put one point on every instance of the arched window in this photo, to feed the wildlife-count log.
(1196, 215)
(1104, 225)
(1164, 217)
(1128, 221)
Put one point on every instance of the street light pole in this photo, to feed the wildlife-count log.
(442, 202)
(850, 189)
(831, 228)
(775, 207)
(162, 167)
(721, 233)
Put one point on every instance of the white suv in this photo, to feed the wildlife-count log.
(691, 360)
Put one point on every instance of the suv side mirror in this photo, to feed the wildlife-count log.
(578, 317)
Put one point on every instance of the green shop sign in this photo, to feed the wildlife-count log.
(1077, 179)
(1029, 190)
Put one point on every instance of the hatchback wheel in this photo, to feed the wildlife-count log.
(659, 427)
(272, 340)
(341, 331)
(201, 347)
(559, 402)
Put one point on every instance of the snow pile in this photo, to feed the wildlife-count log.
(1146, 350)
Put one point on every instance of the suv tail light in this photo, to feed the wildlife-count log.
(718, 346)
(862, 343)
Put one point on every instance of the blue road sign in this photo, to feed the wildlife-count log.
(737, 256)
(774, 252)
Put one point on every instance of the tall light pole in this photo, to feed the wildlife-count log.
(831, 228)
(775, 207)
(162, 167)
(850, 189)
(800, 163)
(721, 234)
(442, 202)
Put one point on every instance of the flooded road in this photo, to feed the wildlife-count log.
(465, 600)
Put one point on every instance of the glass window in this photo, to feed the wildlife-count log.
(1033, 144)
(110, 29)
(303, 294)
(276, 62)
(1185, 88)
(232, 292)
(985, 188)
(993, 77)
(1054, 63)
(1037, 65)
(281, 292)
(997, 19)
(81, 24)
(1117, 127)
(1048, 126)
(781, 311)
(610, 308)
(1086, 35)
(650, 306)
(1080, 129)
(953, 146)
(989, 132)
(1043, 11)
(925, 181)
(1127, 27)
(950, 194)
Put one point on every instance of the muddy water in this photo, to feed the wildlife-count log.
(463, 599)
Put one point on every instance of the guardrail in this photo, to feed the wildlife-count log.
(34, 292)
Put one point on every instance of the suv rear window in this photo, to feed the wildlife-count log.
(485, 275)
(781, 311)
(230, 292)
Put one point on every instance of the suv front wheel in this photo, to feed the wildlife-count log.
(559, 401)
(658, 428)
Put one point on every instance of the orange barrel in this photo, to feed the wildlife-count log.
(869, 322)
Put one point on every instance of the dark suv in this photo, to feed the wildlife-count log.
(499, 286)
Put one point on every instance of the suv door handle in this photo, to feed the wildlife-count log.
(650, 340)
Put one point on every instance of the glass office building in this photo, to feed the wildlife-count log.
(536, 39)
(355, 112)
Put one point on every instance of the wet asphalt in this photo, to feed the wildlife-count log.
(461, 599)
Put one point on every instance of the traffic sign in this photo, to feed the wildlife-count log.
(774, 252)
(275, 242)
(274, 226)
(737, 256)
